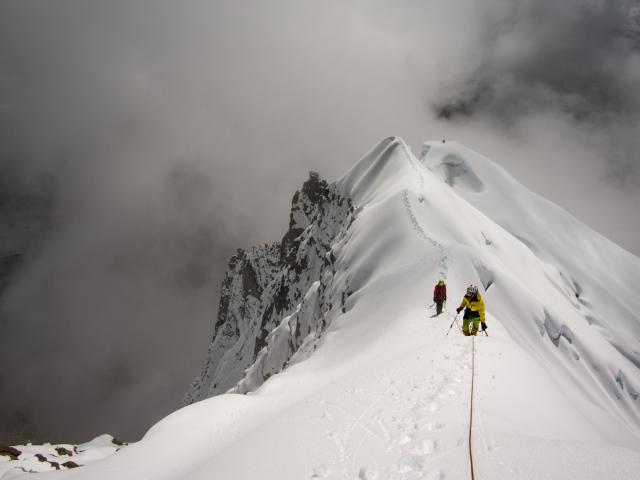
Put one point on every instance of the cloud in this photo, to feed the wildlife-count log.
(581, 58)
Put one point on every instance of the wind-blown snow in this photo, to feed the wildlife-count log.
(384, 393)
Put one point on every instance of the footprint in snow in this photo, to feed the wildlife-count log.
(367, 474)
(405, 439)
(402, 426)
(431, 426)
(427, 447)
(320, 471)
(411, 463)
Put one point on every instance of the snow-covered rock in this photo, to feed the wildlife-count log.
(277, 299)
(44, 458)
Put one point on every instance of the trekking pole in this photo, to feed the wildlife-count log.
(455, 320)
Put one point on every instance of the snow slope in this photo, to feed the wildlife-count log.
(384, 393)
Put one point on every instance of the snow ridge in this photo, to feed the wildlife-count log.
(422, 234)
(347, 372)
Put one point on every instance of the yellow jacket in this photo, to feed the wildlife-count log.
(475, 306)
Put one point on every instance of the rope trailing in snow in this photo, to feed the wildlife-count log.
(473, 365)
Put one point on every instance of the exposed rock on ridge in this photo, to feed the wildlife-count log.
(277, 299)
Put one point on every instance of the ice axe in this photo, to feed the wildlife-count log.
(455, 320)
(484, 329)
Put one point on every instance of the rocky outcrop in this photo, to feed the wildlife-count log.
(278, 299)
(11, 452)
(32, 458)
(63, 451)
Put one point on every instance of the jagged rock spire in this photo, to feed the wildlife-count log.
(276, 300)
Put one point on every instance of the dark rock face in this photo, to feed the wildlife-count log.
(277, 299)
(63, 451)
(12, 453)
(56, 457)
(117, 442)
(308, 203)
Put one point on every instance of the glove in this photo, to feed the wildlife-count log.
(484, 326)
(459, 309)
(434, 299)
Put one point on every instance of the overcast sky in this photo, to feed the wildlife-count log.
(164, 135)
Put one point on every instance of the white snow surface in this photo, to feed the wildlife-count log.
(386, 394)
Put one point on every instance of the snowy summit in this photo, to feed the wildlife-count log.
(328, 361)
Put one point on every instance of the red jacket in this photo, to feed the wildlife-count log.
(440, 291)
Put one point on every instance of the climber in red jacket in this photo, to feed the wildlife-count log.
(439, 296)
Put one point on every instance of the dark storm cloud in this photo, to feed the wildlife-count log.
(577, 59)
(582, 58)
(113, 312)
(142, 142)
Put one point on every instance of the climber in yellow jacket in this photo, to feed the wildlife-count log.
(474, 313)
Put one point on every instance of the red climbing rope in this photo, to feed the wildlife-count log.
(473, 361)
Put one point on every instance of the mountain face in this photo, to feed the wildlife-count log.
(277, 299)
(335, 365)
